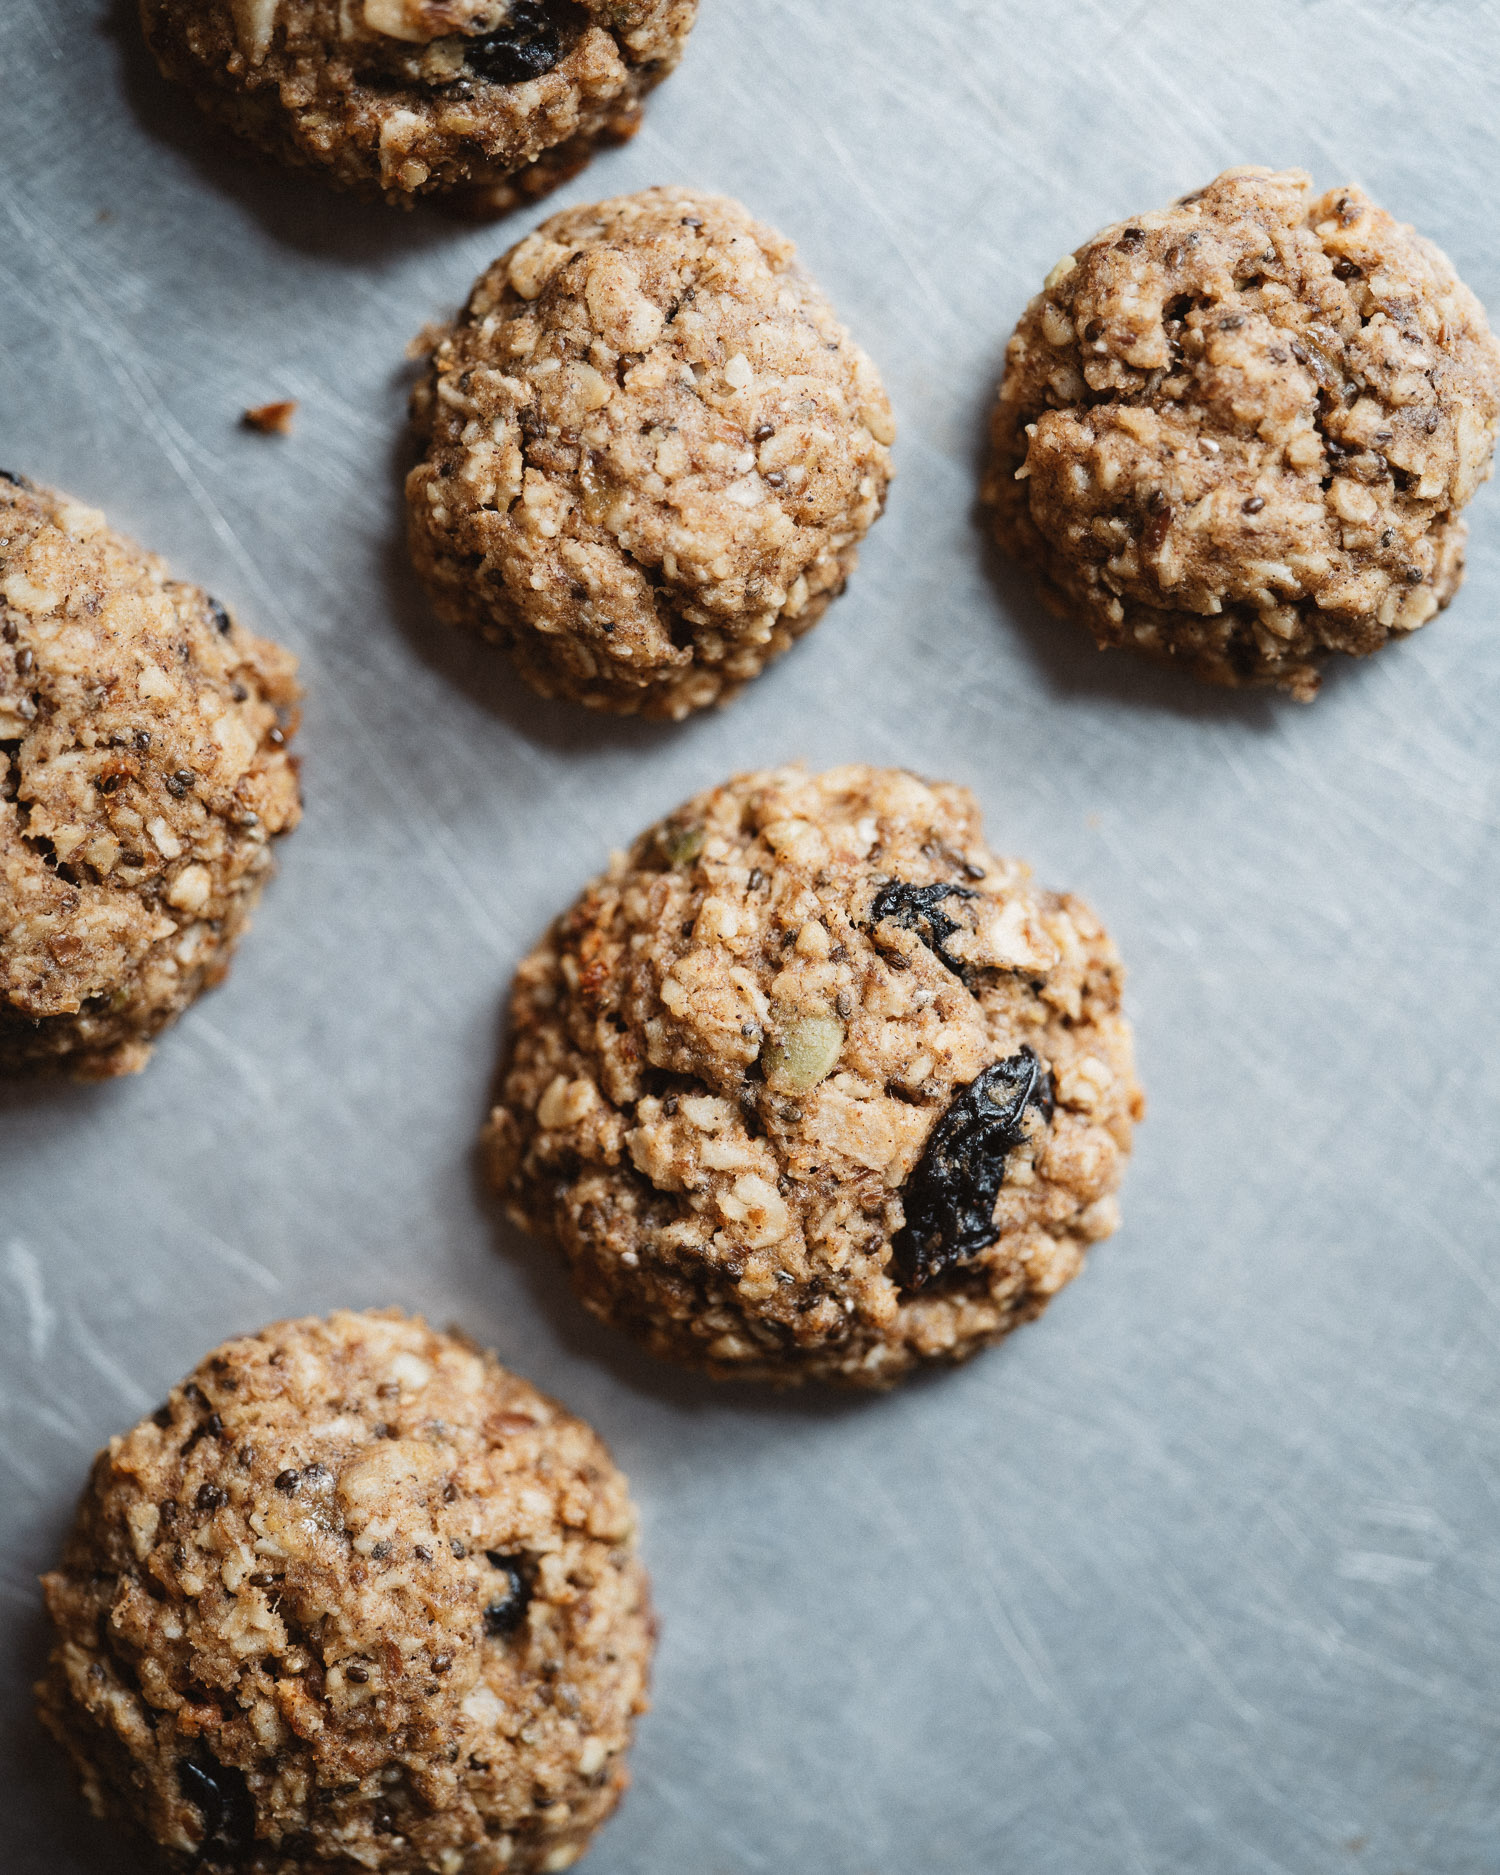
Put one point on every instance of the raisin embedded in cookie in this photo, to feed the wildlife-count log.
(652, 451)
(496, 99)
(1238, 434)
(143, 775)
(810, 1084)
(355, 1597)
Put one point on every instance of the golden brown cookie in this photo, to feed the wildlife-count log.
(810, 1084)
(143, 775)
(497, 100)
(1238, 434)
(651, 453)
(355, 1598)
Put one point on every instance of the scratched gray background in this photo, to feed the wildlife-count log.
(1201, 1573)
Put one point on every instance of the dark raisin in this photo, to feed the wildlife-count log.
(262, 1579)
(16, 481)
(163, 1415)
(1231, 322)
(529, 44)
(107, 784)
(210, 1497)
(441, 1662)
(450, 1492)
(25, 661)
(764, 433)
(288, 1480)
(775, 479)
(316, 1474)
(1131, 239)
(949, 1199)
(458, 1549)
(223, 1796)
(143, 739)
(220, 617)
(1346, 270)
(1412, 575)
(504, 1614)
(919, 908)
(179, 783)
(1254, 504)
(360, 1675)
(421, 1552)
(276, 738)
(381, 1550)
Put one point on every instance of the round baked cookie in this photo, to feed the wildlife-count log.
(355, 1598)
(143, 774)
(652, 451)
(811, 1084)
(1238, 434)
(497, 99)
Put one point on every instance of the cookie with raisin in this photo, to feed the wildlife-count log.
(354, 1597)
(813, 1085)
(490, 102)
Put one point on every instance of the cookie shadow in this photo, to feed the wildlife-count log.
(297, 207)
(52, 1094)
(483, 671)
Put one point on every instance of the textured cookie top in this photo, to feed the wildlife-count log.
(373, 1591)
(143, 766)
(1256, 402)
(416, 95)
(741, 1057)
(656, 439)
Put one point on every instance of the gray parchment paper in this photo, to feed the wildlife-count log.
(1196, 1576)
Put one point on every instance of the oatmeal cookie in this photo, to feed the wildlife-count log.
(1238, 434)
(498, 100)
(810, 1084)
(143, 775)
(355, 1598)
(651, 452)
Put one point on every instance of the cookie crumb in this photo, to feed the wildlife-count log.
(271, 419)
